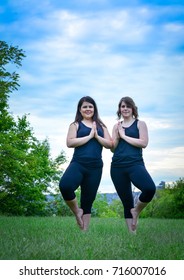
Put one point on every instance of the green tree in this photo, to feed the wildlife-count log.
(101, 207)
(9, 80)
(176, 191)
(117, 207)
(27, 171)
(167, 203)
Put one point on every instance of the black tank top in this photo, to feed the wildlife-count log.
(126, 154)
(89, 154)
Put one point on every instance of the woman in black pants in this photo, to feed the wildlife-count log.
(87, 134)
(129, 137)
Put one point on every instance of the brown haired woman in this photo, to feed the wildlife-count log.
(87, 135)
(130, 135)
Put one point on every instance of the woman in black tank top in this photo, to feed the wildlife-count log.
(129, 137)
(87, 135)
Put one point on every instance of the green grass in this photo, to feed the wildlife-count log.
(58, 238)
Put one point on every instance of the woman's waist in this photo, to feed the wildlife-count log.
(127, 159)
(88, 161)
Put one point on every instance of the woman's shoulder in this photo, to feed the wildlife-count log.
(116, 124)
(74, 125)
(141, 123)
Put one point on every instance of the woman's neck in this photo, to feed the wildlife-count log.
(88, 122)
(128, 121)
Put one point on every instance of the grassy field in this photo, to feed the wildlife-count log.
(58, 238)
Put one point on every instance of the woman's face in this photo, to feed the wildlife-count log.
(125, 110)
(87, 110)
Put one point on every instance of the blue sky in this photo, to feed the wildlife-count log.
(106, 49)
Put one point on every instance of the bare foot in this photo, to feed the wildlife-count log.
(134, 219)
(78, 217)
(86, 220)
(133, 232)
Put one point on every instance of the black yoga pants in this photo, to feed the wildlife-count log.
(87, 178)
(122, 178)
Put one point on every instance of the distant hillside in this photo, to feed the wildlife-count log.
(113, 196)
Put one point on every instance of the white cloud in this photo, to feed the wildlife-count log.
(105, 53)
(166, 164)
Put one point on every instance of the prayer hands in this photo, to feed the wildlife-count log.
(120, 130)
(94, 132)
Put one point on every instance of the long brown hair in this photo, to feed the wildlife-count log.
(96, 118)
(129, 102)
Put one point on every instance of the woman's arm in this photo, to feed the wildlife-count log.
(72, 141)
(115, 137)
(105, 141)
(140, 142)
